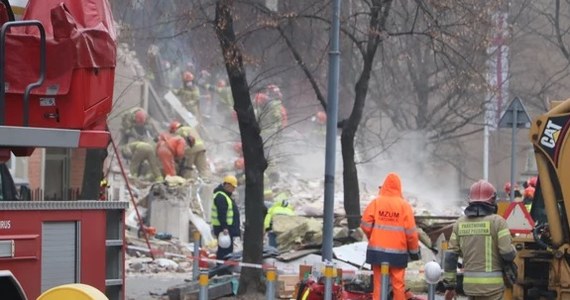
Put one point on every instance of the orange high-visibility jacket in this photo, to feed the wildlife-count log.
(389, 223)
(177, 146)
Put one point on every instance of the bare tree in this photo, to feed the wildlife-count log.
(255, 163)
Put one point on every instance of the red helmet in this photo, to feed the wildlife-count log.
(238, 148)
(187, 76)
(261, 99)
(529, 192)
(321, 117)
(174, 125)
(482, 191)
(140, 117)
(532, 181)
(508, 187)
(239, 164)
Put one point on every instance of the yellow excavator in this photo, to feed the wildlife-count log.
(543, 258)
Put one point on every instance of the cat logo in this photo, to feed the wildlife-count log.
(550, 135)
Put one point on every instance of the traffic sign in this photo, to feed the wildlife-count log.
(517, 108)
(518, 219)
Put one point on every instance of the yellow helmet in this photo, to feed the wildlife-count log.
(230, 179)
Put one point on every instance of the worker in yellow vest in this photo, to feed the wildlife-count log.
(281, 206)
(225, 214)
(528, 197)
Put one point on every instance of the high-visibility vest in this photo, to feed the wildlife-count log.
(229, 213)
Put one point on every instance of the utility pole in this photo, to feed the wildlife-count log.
(330, 157)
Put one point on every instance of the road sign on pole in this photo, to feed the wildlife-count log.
(515, 116)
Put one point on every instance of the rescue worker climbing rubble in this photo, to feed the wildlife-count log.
(281, 206)
(190, 95)
(170, 151)
(194, 156)
(389, 224)
(225, 214)
(135, 126)
(483, 239)
(140, 152)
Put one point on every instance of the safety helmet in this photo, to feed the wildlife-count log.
(261, 99)
(508, 187)
(224, 240)
(532, 181)
(221, 83)
(238, 148)
(187, 76)
(321, 117)
(239, 164)
(232, 180)
(140, 117)
(174, 125)
(529, 192)
(482, 191)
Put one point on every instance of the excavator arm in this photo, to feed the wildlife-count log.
(549, 136)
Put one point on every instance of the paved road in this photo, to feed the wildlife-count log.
(151, 286)
(154, 286)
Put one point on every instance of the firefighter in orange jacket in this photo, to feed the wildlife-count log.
(170, 151)
(389, 224)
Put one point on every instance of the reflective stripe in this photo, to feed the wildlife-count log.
(488, 254)
(389, 227)
(450, 276)
(483, 277)
(483, 280)
(410, 231)
(504, 232)
(229, 213)
(414, 251)
(387, 250)
(366, 224)
(306, 294)
(483, 274)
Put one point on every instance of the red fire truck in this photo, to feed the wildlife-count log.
(56, 85)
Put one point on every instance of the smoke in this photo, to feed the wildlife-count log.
(428, 185)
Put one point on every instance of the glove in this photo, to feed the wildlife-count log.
(510, 271)
(450, 295)
(416, 256)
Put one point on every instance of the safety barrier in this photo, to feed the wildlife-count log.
(432, 272)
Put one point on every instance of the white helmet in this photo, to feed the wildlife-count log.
(224, 240)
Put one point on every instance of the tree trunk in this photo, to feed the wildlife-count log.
(93, 173)
(378, 16)
(255, 162)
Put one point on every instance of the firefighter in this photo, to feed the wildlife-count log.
(225, 213)
(389, 224)
(195, 155)
(190, 95)
(528, 197)
(517, 192)
(281, 206)
(139, 152)
(269, 116)
(484, 240)
(276, 97)
(170, 151)
(225, 103)
(135, 126)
